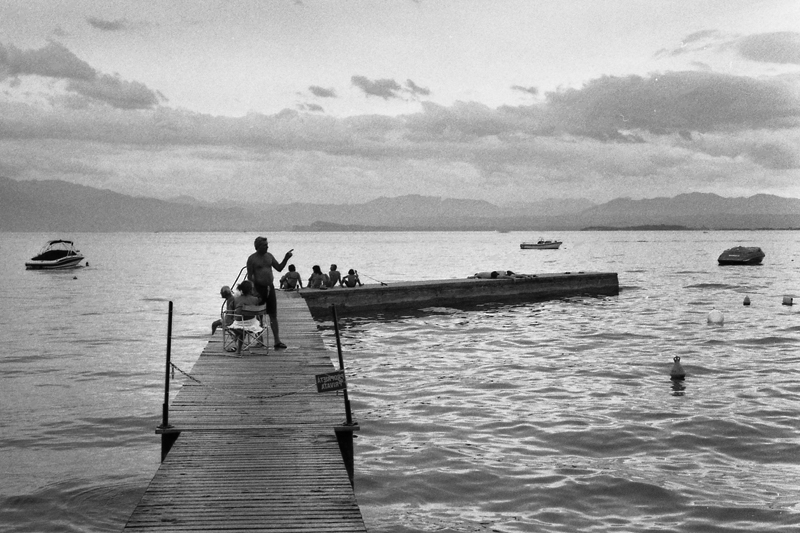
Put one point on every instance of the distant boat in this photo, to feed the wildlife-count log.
(57, 254)
(741, 255)
(541, 245)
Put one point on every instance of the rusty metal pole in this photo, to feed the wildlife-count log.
(344, 433)
(165, 406)
(341, 366)
(168, 437)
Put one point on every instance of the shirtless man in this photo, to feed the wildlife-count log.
(334, 277)
(259, 271)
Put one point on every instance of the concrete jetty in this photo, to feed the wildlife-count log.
(455, 292)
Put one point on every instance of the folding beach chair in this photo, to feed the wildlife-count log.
(228, 335)
(249, 330)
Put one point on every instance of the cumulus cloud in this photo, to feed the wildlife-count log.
(53, 60)
(527, 90)
(314, 108)
(384, 88)
(779, 47)
(665, 103)
(107, 25)
(694, 42)
(664, 133)
(416, 90)
(116, 92)
(322, 92)
(388, 88)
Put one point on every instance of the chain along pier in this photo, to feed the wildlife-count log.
(264, 442)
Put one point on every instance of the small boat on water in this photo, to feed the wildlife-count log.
(541, 244)
(741, 255)
(57, 254)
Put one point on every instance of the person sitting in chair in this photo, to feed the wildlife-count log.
(224, 292)
(244, 320)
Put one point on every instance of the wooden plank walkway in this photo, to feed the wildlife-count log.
(257, 449)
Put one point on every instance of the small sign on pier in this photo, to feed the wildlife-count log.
(331, 381)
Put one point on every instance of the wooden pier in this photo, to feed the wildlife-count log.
(253, 446)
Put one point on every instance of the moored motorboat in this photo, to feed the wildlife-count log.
(57, 254)
(741, 255)
(541, 244)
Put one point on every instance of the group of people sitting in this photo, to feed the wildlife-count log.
(319, 280)
(238, 316)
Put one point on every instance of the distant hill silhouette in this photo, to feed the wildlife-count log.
(698, 210)
(62, 206)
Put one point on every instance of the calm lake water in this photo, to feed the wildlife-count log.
(554, 416)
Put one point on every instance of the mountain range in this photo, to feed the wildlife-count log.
(66, 207)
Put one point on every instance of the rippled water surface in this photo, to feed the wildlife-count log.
(548, 416)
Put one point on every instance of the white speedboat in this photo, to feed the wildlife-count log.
(541, 245)
(741, 255)
(55, 255)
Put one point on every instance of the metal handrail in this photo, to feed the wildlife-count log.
(233, 286)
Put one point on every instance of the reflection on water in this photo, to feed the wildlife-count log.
(678, 387)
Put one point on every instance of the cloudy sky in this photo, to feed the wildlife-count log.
(346, 101)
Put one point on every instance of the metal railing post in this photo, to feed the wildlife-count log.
(344, 433)
(341, 365)
(165, 406)
(168, 438)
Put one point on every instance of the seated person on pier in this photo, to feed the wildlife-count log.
(224, 292)
(245, 318)
(318, 280)
(334, 277)
(351, 279)
(291, 280)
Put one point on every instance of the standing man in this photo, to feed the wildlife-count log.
(259, 271)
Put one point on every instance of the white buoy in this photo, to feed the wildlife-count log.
(677, 371)
(716, 317)
(788, 300)
(746, 300)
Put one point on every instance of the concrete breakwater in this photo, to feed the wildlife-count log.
(455, 292)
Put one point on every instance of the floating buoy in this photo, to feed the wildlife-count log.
(787, 300)
(677, 371)
(716, 317)
(746, 300)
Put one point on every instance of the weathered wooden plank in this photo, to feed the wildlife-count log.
(257, 449)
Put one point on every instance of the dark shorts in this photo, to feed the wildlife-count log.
(267, 294)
